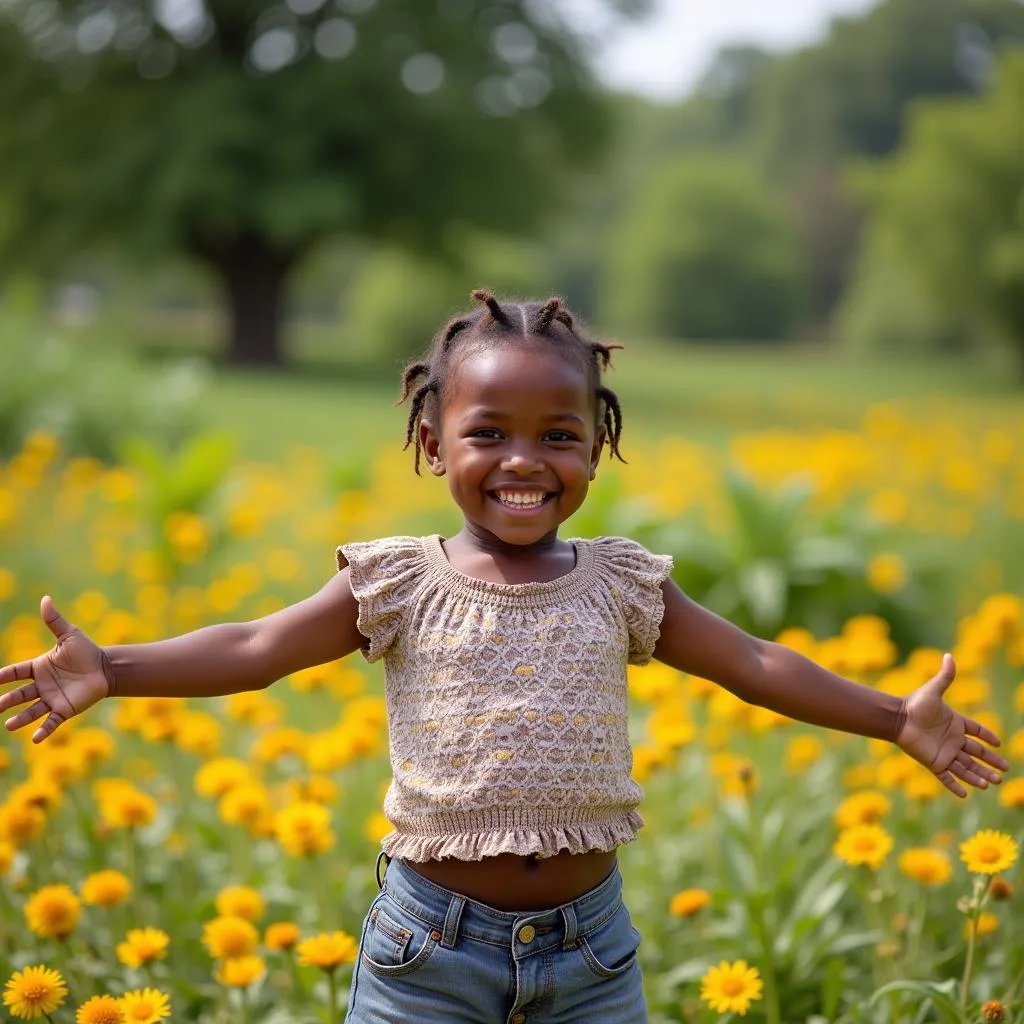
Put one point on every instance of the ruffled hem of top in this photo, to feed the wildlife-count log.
(546, 841)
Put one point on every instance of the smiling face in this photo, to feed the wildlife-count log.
(518, 440)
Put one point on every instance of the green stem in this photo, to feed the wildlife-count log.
(772, 1010)
(972, 933)
(332, 1001)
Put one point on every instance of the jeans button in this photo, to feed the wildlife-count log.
(518, 1018)
(526, 935)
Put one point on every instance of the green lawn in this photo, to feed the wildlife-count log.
(704, 394)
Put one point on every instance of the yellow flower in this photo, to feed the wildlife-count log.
(145, 1006)
(328, 950)
(220, 775)
(53, 912)
(801, 752)
(689, 902)
(21, 823)
(988, 852)
(993, 1012)
(106, 888)
(1011, 794)
(863, 844)
(731, 988)
(100, 1010)
(34, 992)
(303, 828)
(377, 827)
(142, 945)
(986, 925)
(240, 901)
(246, 804)
(281, 935)
(925, 865)
(230, 937)
(128, 807)
(241, 971)
(866, 807)
(6, 856)
(886, 573)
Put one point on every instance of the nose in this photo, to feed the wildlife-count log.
(522, 460)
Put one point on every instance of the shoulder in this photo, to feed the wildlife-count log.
(383, 554)
(624, 557)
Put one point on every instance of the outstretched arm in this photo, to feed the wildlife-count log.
(697, 641)
(208, 662)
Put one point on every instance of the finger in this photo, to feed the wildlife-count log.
(946, 778)
(22, 695)
(49, 726)
(973, 728)
(15, 673)
(27, 717)
(986, 773)
(57, 624)
(967, 775)
(975, 749)
(940, 683)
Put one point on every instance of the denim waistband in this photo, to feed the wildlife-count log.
(455, 915)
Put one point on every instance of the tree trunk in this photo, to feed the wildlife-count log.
(254, 276)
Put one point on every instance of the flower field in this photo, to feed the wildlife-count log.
(212, 861)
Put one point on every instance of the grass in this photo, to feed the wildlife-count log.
(705, 394)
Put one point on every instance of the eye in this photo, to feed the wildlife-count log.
(559, 436)
(486, 433)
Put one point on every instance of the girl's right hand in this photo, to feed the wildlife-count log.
(63, 682)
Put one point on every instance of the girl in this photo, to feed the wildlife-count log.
(505, 649)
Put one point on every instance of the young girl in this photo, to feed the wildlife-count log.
(505, 649)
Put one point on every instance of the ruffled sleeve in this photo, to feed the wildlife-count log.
(635, 576)
(383, 574)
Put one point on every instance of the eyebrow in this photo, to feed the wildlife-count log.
(494, 414)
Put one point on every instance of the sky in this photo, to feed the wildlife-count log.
(664, 55)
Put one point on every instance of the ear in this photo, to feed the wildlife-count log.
(600, 440)
(430, 446)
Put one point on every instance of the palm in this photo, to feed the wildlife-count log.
(943, 740)
(64, 681)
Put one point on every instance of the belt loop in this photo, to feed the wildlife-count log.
(450, 931)
(569, 917)
(380, 881)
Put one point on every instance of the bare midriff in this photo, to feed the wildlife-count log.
(513, 883)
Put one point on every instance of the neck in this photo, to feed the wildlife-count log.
(479, 539)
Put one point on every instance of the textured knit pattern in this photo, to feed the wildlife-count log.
(507, 702)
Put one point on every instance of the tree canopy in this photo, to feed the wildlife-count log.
(244, 133)
(948, 208)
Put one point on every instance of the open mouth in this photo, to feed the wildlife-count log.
(520, 501)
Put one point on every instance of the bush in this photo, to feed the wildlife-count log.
(704, 252)
(89, 396)
(398, 302)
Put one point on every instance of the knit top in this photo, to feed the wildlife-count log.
(507, 702)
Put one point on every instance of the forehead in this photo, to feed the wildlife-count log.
(520, 377)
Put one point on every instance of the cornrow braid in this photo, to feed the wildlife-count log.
(493, 325)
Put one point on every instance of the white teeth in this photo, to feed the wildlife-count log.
(521, 500)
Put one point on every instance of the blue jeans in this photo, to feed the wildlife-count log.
(430, 956)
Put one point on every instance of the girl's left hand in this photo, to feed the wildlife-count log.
(943, 740)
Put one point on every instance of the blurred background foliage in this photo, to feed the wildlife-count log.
(354, 164)
(190, 189)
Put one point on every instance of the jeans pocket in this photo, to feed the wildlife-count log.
(396, 943)
(611, 949)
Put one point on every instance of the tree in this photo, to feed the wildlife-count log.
(243, 133)
(705, 251)
(948, 208)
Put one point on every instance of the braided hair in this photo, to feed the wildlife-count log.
(495, 323)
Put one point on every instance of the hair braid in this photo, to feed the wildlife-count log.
(541, 323)
(612, 419)
(492, 304)
(415, 412)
